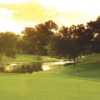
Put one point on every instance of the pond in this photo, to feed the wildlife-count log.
(34, 67)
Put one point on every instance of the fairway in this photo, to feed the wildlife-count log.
(80, 82)
(47, 86)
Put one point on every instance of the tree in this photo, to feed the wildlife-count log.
(8, 42)
(94, 26)
(37, 38)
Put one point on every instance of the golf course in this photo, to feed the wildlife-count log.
(49, 50)
(68, 82)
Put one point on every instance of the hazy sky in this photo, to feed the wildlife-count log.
(17, 14)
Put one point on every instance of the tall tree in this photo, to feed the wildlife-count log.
(94, 26)
(37, 38)
(8, 42)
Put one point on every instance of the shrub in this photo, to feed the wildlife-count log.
(24, 68)
(1, 68)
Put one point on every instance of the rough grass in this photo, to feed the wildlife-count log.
(80, 82)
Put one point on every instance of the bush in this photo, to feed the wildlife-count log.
(24, 68)
(1, 68)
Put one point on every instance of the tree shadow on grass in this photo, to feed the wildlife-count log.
(87, 71)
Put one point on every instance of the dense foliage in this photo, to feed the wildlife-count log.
(48, 39)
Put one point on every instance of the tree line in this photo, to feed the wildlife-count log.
(48, 39)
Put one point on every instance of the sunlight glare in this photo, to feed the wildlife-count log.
(6, 21)
(14, 1)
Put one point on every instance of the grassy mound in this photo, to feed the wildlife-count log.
(89, 67)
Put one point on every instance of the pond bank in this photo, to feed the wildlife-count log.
(51, 65)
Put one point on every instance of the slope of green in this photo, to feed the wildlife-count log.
(89, 67)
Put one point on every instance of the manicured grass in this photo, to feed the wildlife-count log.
(47, 86)
(80, 82)
(83, 71)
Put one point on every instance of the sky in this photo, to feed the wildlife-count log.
(15, 15)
